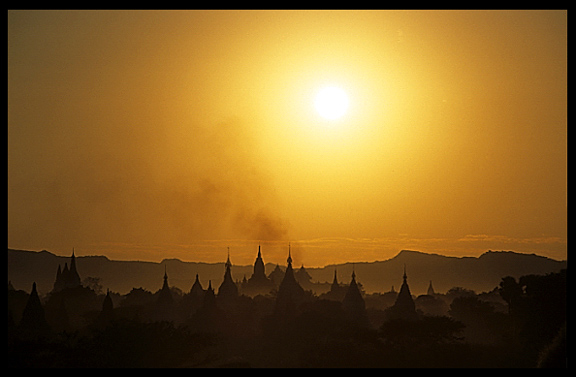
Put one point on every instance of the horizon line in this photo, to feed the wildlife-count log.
(166, 259)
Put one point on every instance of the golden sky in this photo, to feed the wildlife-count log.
(175, 134)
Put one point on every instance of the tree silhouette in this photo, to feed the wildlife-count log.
(94, 284)
(425, 332)
(511, 292)
(429, 341)
(537, 308)
(483, 324)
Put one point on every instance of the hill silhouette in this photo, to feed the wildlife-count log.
(480, 274)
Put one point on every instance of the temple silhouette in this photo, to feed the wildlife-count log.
(258, 283)
(404, 307)
(354, 305)
(67, 277)
(277, 320)
(290, 293)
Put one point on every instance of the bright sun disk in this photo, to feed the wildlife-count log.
(331, 102)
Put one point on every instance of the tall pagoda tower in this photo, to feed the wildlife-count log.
(404, 306)
(228, 295)
(259, 269)
(354, 305)
(164, 309)
(33, 322)
(73, 277)
(67, 277)
(196, 290)
(228, 288)
(258, 283)
(290, 293)
(337, 291)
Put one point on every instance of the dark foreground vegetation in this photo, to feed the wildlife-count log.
(521, 323)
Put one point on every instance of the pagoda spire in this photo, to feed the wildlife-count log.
(336, 291)
(196, 284)
(259, 269)
(290, 293)
(228, 288)
(431, 291)
(404, 306)
(228, 263)
(165, 285)
(33, 320)
(354, 305)
(73, 261)
(107, 312)
(73, 277)
(164, 309)
(209, 301)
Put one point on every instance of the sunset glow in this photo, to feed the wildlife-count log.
(144, 135)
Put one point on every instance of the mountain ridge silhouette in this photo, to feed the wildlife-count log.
(482, 273)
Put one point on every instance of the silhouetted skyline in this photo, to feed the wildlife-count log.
(289, 326)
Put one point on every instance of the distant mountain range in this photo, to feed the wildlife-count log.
(481, 273)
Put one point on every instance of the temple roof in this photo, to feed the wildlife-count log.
(228, 288)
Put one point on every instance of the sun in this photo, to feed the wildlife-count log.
(331, 102)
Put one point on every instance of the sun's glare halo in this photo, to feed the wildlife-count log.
(331, 102)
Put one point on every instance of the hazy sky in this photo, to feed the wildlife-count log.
(174, 134)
